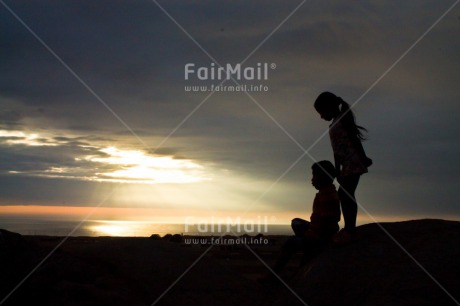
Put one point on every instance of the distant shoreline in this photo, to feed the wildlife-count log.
(97, 228)
(114, 228)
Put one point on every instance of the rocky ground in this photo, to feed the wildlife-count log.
(419, 267)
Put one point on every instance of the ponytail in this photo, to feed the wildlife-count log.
(348, 118)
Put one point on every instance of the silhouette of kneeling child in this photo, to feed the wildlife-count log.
(312, 237)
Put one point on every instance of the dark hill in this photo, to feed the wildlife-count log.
(374, 270)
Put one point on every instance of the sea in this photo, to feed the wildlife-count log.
(99, 228)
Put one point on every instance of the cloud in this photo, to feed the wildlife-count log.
(133, 57)
(70, 159)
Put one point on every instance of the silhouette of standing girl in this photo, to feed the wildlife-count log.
(350, 159)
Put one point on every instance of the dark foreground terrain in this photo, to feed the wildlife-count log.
(421, 266)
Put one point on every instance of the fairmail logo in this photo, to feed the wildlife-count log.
(227, 72)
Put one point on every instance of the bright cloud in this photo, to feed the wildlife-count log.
(138, 167)
(95, 162)
(24, 138)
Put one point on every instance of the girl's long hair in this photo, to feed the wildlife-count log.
(349, 122)
(346, 115)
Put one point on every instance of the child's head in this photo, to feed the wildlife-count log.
(327, 105)
(323, 174)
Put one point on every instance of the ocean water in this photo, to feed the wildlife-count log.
(95, 228)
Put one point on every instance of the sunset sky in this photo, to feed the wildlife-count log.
(94, 111)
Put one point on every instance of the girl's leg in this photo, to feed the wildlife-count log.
(347, 189)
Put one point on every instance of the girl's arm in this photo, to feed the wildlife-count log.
(337, 165)
(360, 149)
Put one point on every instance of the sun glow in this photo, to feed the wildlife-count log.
(137, 167)
(111, 230)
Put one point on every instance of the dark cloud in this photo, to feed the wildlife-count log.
(132, 55)
(10, 119)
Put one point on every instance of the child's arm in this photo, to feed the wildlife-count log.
(326, 215)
